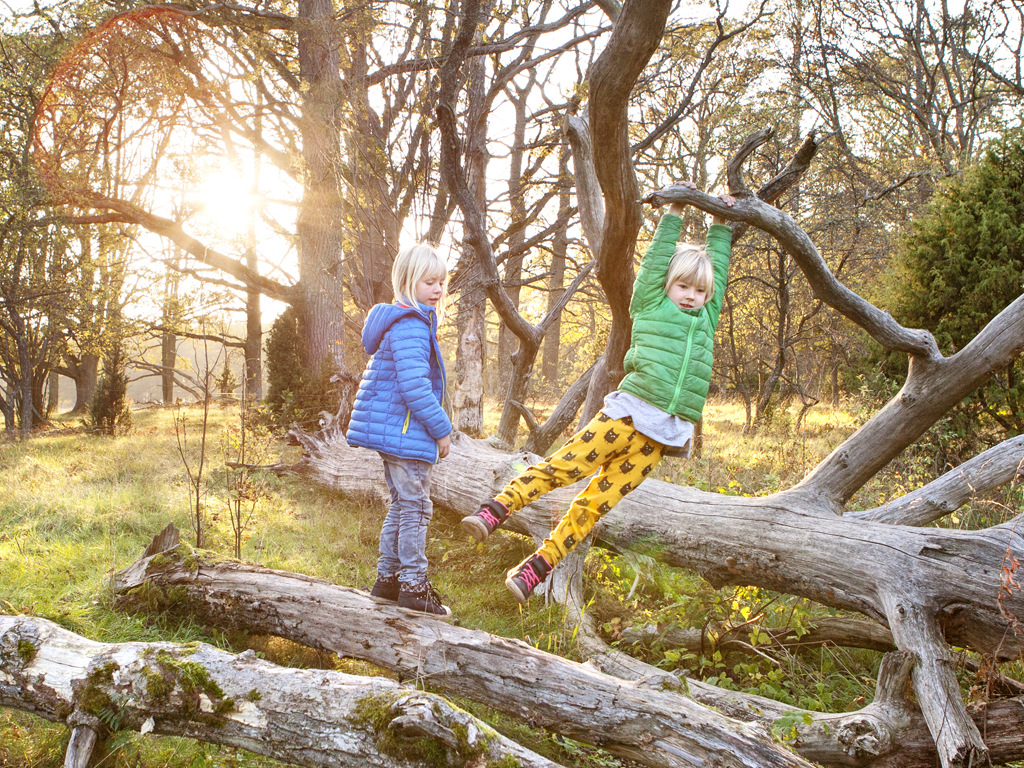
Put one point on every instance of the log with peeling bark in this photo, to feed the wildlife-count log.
(638, 720)
(305, 717)
(928, 586)
(644, 720)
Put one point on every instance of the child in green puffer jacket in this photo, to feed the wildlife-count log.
(677, 296)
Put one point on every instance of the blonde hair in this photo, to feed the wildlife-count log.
(413, 264)
(690, 264)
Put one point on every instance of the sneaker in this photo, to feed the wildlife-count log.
(485, 520)
(422, 598)
(527, 576)
(385, 589)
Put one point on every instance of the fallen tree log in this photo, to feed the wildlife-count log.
(305, 717)
(641, 720)
(782, 542)
(638, 720)
(928, 586)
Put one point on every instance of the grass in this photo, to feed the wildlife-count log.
(75, 508)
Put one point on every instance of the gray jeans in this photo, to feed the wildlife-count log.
(403, 537)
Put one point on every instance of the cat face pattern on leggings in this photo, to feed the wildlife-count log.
(625, 457)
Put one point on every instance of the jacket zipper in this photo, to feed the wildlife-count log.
(405, 427)
(682, 371)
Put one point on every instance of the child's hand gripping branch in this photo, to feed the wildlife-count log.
(677, 296)
(677, 208)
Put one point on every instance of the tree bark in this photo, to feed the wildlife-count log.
(471, 354)
(83, 741)
(320, 248)
(52, 392)
(947, 578)
(637, 720)
(635, 37)
(305, 717)
(547, 690)
(468, 392)
(556, 282)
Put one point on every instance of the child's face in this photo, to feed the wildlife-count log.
(429, 289)
(686, 295)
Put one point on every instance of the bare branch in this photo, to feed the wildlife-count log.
(174, 232)
(748, 209)
(997, 466)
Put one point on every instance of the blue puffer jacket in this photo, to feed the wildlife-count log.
(397, 409)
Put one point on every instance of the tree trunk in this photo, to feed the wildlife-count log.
(547, 690)
(305, 717)
(845, 563)
(25, 401)
(508, 343)
(320, 249)
(635, 36)
(374, 228)
(168, 357)
(86, 378)
(53, 393)
(252, 387)
(468, 392)
(559, 248)
(763, 408)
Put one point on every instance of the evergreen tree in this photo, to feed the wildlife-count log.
(964, 263)
(295, 394)
(109, 412)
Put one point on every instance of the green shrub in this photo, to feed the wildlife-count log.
(109, 413)
(960, 267)
(295, 393)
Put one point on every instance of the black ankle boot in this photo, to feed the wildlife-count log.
(422, 598)
(385, 589)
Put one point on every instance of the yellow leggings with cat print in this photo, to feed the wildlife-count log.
(625, 457)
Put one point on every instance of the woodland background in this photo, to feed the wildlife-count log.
(209, 197)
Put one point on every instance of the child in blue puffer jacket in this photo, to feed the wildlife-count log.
(398, 413)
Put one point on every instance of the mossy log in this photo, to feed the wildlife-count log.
(638, 720)
(304, 717)
(573, 699)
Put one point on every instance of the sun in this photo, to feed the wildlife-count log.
(226, 203)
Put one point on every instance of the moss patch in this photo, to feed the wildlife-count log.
(160, 560)
(158, 687)
(153, 598)
(27, 651)
(376, 711)
(91, 697)
(191, 678)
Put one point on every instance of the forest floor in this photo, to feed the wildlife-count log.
(75, 508)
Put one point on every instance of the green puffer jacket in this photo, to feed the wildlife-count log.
(669, 359)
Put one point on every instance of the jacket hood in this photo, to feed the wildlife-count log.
(382, 316)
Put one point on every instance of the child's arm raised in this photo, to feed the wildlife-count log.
(649, 286)
(719, 248)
